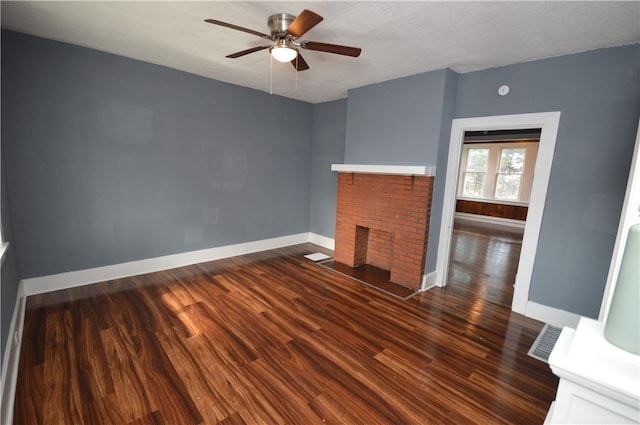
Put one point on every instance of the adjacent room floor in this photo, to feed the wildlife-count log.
(484, 261)
(274, 338)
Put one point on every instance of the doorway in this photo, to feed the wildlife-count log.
(494, 187)
(548, 124)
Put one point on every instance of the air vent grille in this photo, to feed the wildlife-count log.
(544, 343)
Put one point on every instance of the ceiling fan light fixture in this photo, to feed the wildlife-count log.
(282, 51)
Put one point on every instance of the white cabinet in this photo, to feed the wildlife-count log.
(599, 382)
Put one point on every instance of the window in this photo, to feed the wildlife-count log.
(510, 173)
(498, 171)
(475, 171)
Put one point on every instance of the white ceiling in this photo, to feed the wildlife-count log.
(397, 38)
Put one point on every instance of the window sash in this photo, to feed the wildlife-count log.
(498, 185)
(473, 183)
(508, 187)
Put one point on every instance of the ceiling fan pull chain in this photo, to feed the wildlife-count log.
(296, 71)
(270, 74)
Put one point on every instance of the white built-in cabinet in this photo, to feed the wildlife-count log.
(599, 382)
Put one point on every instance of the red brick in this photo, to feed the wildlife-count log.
(392, 214)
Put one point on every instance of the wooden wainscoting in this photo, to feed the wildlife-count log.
(491, 209)
(274, 338)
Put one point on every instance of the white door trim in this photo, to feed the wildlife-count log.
(548, 122)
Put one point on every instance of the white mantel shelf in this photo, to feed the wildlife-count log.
(407, 170)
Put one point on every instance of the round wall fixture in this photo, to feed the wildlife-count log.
(503, 90)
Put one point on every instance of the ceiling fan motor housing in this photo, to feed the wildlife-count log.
(279, 23)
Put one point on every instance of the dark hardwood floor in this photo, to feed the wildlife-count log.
(273, 338)
(484, 262)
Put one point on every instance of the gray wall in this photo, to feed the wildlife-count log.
(110, 160)
(598, 94)
(396, 122)
(405, 122)
(329, 127)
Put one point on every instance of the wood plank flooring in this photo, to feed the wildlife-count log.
(484, 262)
(273, 338)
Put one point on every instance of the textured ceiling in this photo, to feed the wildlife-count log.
(397, 38)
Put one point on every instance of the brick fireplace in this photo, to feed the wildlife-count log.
(383, 220)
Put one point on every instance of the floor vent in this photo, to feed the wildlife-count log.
(544, 343)
(318, 256)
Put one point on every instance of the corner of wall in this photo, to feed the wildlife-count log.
(429, 280)
(450, 88)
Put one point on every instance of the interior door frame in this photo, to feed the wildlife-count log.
(548, 122)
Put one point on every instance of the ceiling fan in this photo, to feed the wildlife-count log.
(286, 31)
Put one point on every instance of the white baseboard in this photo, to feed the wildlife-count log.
(429, 280)
(39, 285)
(551, 315)
(323, 241)
(497, 222)
(11, 359)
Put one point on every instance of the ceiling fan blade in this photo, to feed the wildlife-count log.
(303, 23)
(235, 27)
(246, 52)
(332, 48)
(299, 63)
